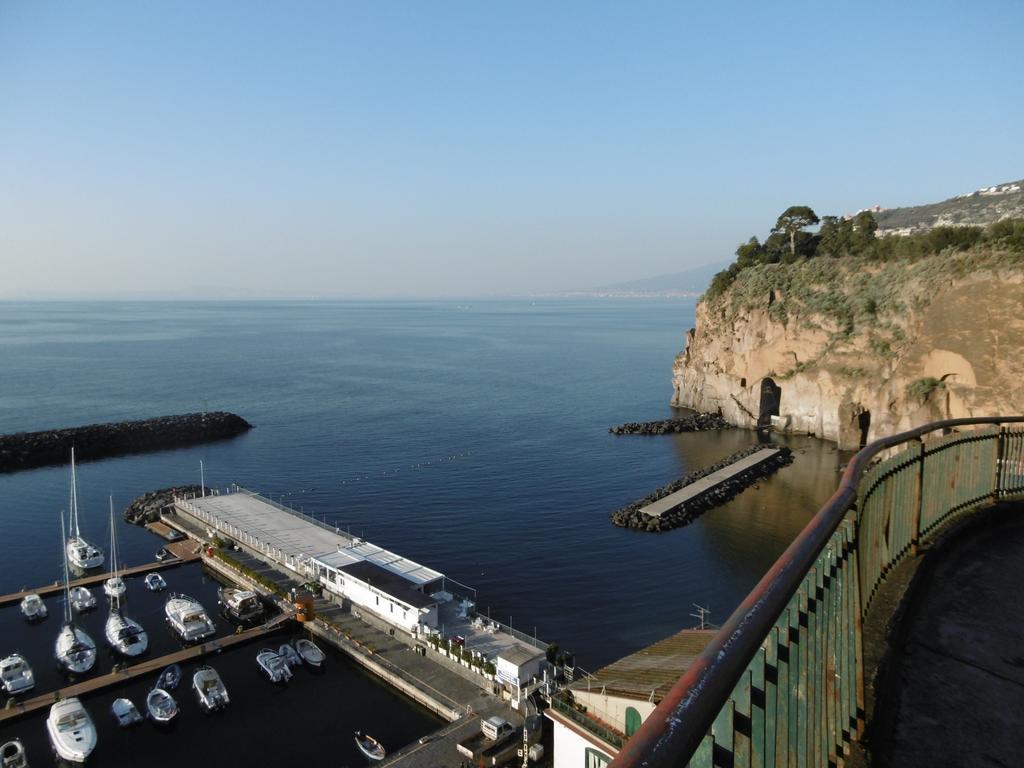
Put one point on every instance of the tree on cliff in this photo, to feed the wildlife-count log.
(793, 220)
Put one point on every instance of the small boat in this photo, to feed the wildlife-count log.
(125, 712)
(16, 675)
(33, 608)
(155, 582)
(169, 678)
(310, 652)
(369, 746)
(241, 604)
(164, 554)
(82, 599)
(125, 635)
(115, 587)
(210, 689)
(161, 706)
(290, 656)
(80, 552)
(12, 755)
(71, 731)
(274, 667)
(188, 618)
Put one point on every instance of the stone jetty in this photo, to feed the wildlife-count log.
(698, 422)
(25, 450)
(147, 508)
(631, 515)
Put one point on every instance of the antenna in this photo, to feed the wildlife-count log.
(702, 615)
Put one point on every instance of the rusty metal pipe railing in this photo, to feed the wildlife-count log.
(675, 729)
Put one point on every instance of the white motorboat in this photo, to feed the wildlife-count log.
(310, 652)
(164, 554)
(12, 755)
(16, 675)
(80, 552)
(115, 587)
(125, 712)
(33, 608)
(188, 619)
(125, 635)
(161, 706)
(71, 730)
(290, 656)
(241, 604)
(169, 678)
(369, 746)
(210, 689)
(155, 582)
(274, 667)
(82, 599)
(75, 650)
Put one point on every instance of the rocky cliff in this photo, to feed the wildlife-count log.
(850, 350)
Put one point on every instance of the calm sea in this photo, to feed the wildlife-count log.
(471, 436)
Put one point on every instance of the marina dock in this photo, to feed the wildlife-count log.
(704, 484)
(181, 550)
(148, 667)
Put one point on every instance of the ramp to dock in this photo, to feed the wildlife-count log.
(704, 484)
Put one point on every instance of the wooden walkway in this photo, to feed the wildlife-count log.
(687, 492)
(147, 667)
(182, 549)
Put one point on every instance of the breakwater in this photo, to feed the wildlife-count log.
(698, 422)
(147, 508)
(25, 450)
(632, 516)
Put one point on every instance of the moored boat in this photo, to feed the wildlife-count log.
(125, 712)
(155, 582)
(274, 667)
(33, 608)
(290, 656)
(369, 746)
(164, 554)
(161, 706)
(71, 730)
(12, 755)
(241, 604)
(80, 553)
(169, 678)
(210, 689)
(16, 675)
(125, 635)
(310, 652)
(188, 619)
(82, 599)
(75, 651)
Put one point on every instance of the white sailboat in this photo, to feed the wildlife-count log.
(124, 635)
(80, 552)
(75, 650)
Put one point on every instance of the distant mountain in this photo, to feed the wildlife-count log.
(690, 282)
(986, 205)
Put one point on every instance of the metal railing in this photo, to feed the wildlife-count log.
(781, 683)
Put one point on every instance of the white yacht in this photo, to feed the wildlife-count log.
(210, 689)
(161, 706)
(241, 604)
(310, 652)
(75, 650)
(16, 675)
(155, 582)
(125, 712)
(274, 667)
(124, 635)
(71, 731)
(12, 755)
(80, 552)
(82, 599)
(33, 608)
(188, 619)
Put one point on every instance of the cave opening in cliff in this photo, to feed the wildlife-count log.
(864, 423)
(771, 398)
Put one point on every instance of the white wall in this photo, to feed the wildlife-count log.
(570, 748)
(509, 671)
(379, 603)
(611, 709)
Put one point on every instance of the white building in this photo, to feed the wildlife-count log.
(598, 713)
(519, 664)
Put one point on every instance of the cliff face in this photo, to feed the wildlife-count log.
(860, 350)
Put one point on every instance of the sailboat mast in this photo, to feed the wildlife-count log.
(74, 496)
(64, 557)
(113, 555)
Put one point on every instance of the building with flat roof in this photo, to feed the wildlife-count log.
(595, 715)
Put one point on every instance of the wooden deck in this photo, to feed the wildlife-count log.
(183, 550)
(687, 492)
(148, 667)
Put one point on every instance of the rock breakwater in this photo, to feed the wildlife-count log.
(698, 422)
(630, 516)
(25, 450)
(147, 507)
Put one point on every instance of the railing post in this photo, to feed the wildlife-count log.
(997, 479)
(915, 520)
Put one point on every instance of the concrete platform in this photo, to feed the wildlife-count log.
(696, 488)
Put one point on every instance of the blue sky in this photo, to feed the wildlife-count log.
(466, 148)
